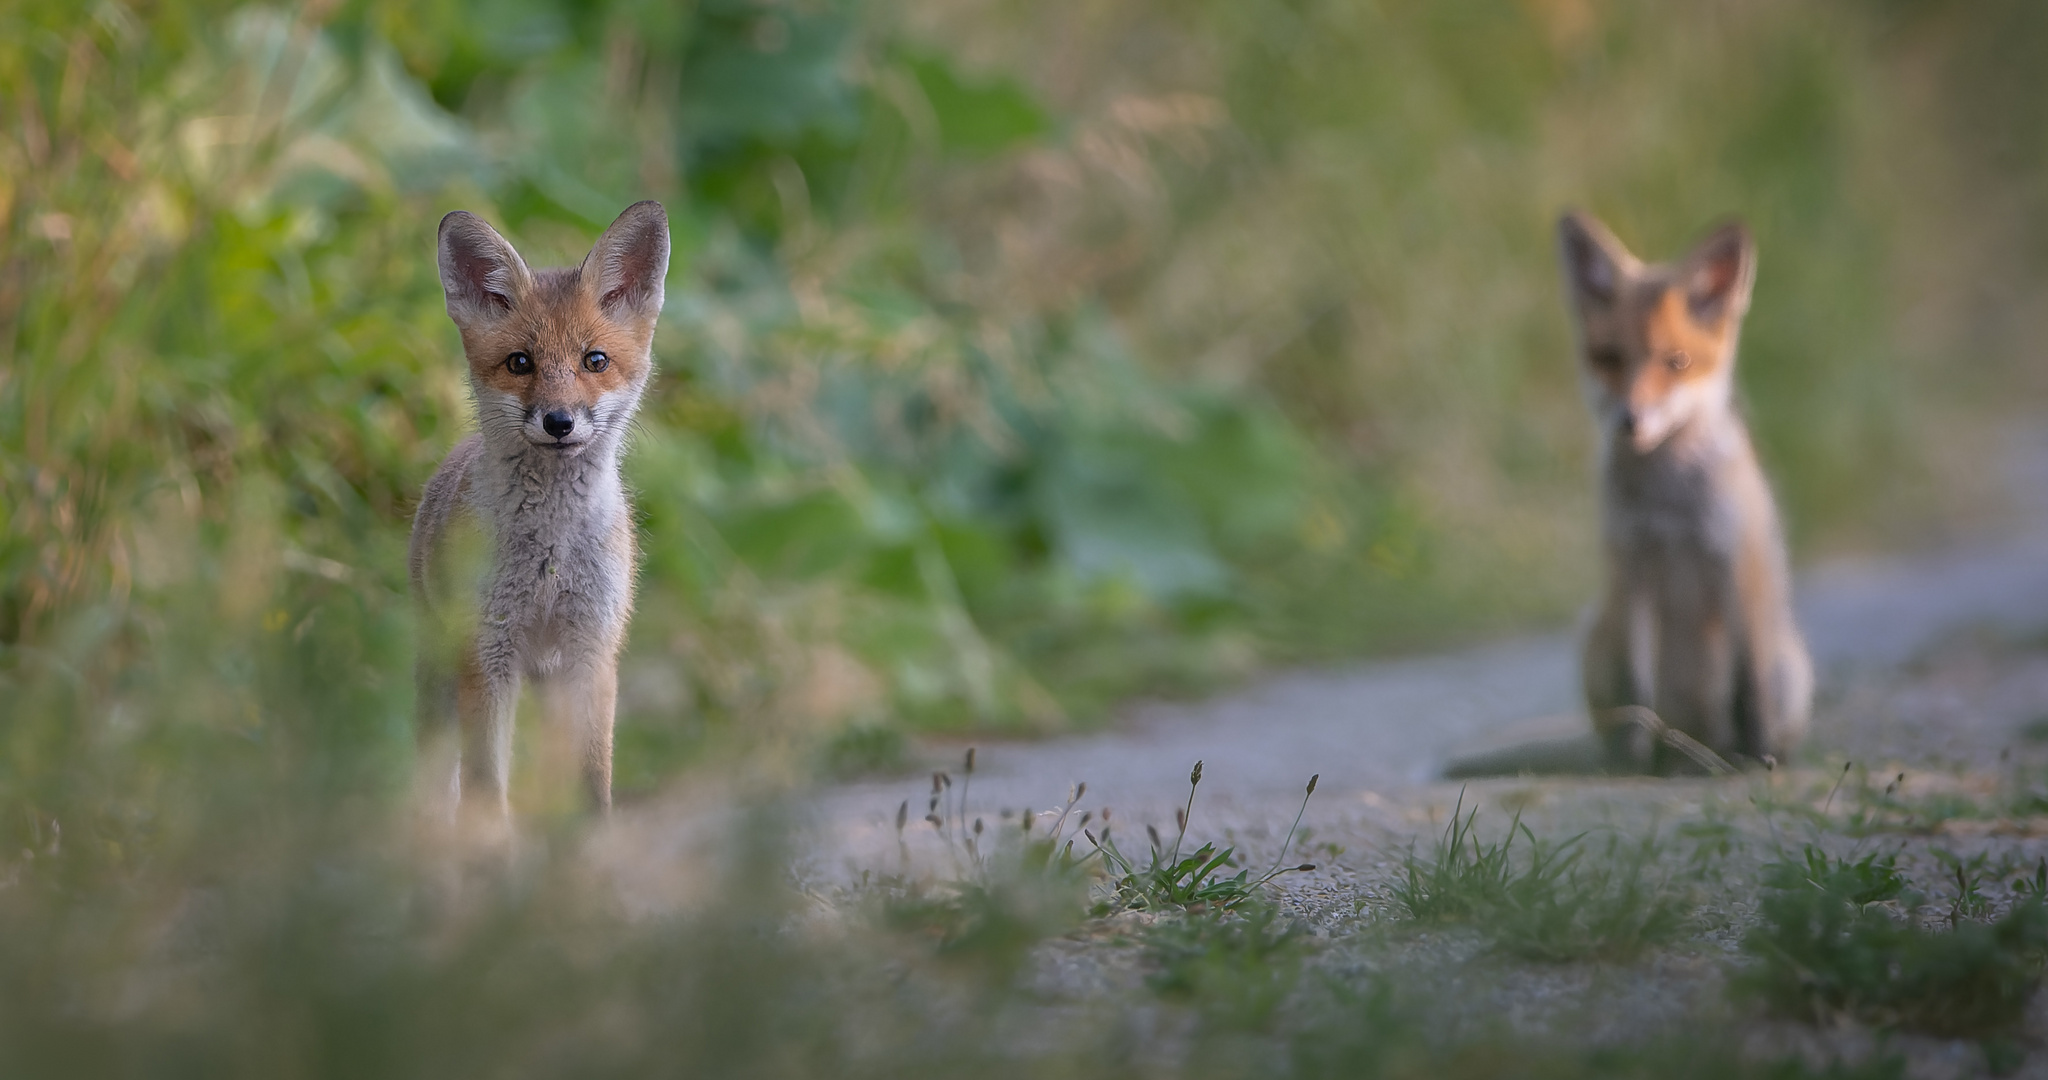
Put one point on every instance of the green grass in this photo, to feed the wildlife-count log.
(1376, 1033)
(1861, 804)
(1544, 900)
(1238, 970)
(1843, 938)
(1169, 880)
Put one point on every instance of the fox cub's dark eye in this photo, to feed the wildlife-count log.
(596, 361)
(1678, 361)
(1606, 359)
(519, 364)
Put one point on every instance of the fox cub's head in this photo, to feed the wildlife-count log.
(1657, 340)
(558, 356)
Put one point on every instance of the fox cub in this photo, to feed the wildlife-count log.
(558, 359)
(1696, 622)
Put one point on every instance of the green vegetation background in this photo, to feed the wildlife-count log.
(1018, 357)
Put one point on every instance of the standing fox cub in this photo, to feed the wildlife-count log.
(1696, 623)
(558, 359)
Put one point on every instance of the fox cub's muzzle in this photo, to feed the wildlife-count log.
(559, 427)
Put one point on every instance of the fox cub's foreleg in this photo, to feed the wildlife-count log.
(1695, 688)
(1775, 689)
(467, 713)
(469, 699)
(580, 702)
(1724, 668)
(1662, 641)
(487, 705)
(1609, 674)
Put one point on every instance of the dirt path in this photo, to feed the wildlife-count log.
(1380, 733)
(1934, 665)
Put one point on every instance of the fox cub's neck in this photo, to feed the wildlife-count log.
(1710, 431)
(525, 482)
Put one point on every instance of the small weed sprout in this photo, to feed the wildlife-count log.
(1895, 808)
(964, 833)
(1825, 806)
(1195, 883)
(2034, 886)
(1008, 890)
(1969, 902)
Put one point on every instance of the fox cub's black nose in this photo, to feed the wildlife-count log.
(558, 423)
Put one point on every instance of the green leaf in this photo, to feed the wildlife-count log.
(976, 116)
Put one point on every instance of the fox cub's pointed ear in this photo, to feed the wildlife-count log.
(1594, 261)
(627, 269)
(1718, 274)
(480, 272)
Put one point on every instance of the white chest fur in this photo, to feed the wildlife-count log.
(560, 588)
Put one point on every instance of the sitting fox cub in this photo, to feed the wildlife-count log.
(558, 359)
(1696, 623)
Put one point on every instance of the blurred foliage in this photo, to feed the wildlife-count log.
(1016, 359)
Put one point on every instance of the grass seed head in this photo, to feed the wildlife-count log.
(1195, 775)
(902, 815)
(1154, 834)
(1312, 782)
(1825, 806)
(970, 761)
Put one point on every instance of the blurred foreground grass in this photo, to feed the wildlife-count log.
(342, 943)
